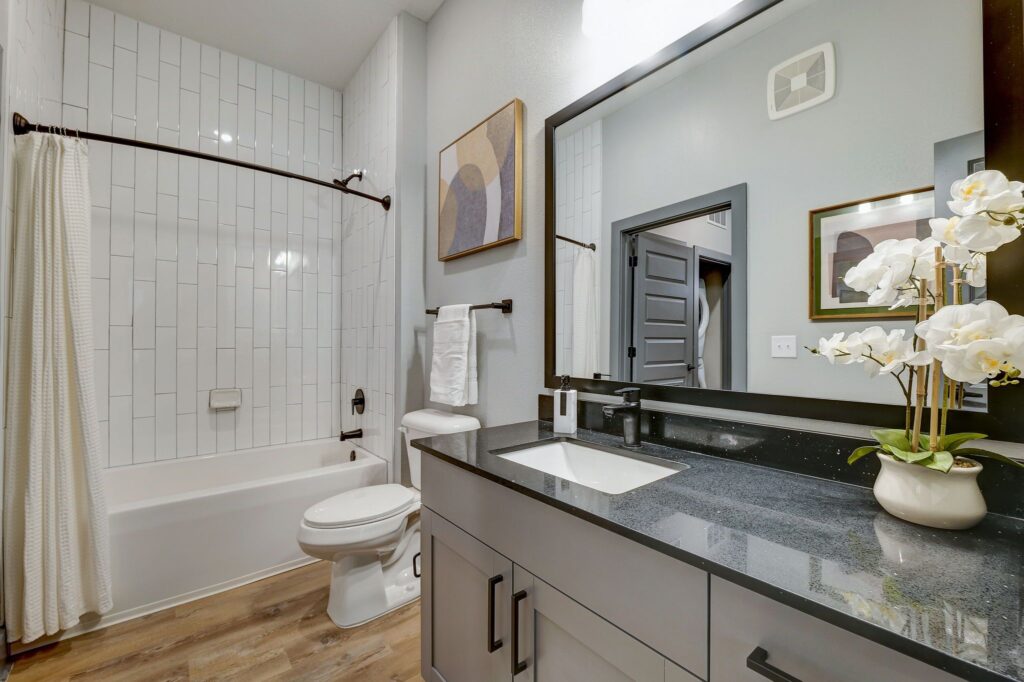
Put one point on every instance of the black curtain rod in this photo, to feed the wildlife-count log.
(505, 306)
(591, 246)
(23, 126)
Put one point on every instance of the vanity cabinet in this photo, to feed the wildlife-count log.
(492, 620)
(511, 583)
(795, 644)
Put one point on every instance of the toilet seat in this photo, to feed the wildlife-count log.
(360, 506)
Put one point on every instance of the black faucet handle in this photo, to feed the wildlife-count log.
(629, 395)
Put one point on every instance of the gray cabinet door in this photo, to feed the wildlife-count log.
(664, 312)
(559, 640)
(461, 577)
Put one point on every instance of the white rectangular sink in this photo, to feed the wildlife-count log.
(598, 469)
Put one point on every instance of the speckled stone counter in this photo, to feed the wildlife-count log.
(952, 599)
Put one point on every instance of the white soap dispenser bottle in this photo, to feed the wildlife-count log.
(565, 408)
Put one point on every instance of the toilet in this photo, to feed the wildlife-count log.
(372, 534)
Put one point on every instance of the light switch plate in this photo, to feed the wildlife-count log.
(783, 346)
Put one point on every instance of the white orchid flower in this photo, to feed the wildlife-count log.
(894, 351)
(982, 234)
(975, 192)
(976, 272)
(886, 274)
(979, 360)
(975, 341)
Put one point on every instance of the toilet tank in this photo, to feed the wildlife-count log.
(430, 422)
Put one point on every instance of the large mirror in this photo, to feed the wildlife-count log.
(705, 215)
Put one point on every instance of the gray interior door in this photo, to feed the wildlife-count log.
(664, 312)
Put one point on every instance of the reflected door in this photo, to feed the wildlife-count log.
(664, 312)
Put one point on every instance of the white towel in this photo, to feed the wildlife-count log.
(56, 546)
(585, 329)
(453, 366)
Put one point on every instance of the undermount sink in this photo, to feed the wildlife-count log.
(602, 470)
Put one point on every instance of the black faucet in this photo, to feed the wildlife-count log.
(630, 409)
(346, 435)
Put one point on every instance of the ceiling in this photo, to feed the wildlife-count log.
(321, 40)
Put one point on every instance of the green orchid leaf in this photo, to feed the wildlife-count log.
(986, 454)
(952, 441)
(940, 461)
(894, 437)
(861, 452)
(911, 457)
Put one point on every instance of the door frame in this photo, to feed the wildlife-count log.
(733, 198)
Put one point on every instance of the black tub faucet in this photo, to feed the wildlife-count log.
(356, 433)
(630, 409)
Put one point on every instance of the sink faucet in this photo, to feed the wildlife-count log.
(630, 409)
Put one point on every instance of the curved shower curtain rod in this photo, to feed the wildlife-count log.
(23, 126)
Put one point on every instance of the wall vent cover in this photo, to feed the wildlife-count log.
(801, 82)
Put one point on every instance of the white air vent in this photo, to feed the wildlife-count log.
(719, 219)
(802, 82)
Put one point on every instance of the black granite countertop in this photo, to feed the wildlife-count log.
(952, 599)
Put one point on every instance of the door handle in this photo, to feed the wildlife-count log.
(492, 644)
(758, 662)
(517, 665)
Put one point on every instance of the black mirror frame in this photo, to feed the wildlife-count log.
(1003, 59)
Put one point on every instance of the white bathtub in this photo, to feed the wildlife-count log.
(184, 529)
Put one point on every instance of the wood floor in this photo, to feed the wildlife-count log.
(273, 629)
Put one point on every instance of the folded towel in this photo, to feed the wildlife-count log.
(453, 365)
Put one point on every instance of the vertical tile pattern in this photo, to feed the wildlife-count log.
(362, 263)
(205, 275)
(577, 215)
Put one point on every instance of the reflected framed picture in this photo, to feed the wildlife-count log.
(480, 186)
(843, 235)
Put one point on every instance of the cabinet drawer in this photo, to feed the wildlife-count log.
(656, 599)
(804, 647)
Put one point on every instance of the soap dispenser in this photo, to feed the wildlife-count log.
(565, 407)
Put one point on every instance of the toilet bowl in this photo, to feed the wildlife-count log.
(372, 534)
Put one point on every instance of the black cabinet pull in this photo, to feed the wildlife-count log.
(416, 565)
(517, 665)
(492, 644)
(758, 662)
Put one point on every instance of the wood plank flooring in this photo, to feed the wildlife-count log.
(273, 629)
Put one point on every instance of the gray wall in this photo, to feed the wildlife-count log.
(480, 55)
(709, 129)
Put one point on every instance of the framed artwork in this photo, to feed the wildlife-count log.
(843, 235)
(480, 186)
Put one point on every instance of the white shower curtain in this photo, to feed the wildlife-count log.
(585, 322)
(56, 545)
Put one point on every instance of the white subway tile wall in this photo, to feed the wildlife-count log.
(208, 276)
(33, 87)
(366, 257)
(577, 216)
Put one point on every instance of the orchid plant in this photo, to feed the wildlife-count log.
(952, 345)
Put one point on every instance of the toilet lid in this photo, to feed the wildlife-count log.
(359, 506)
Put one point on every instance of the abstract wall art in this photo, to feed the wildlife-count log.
(480, 194)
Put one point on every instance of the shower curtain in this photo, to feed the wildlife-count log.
(585, 324)
(56, 547)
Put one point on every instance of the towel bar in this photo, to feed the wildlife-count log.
(504, 306)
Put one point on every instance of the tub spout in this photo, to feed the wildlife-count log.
(348, 435)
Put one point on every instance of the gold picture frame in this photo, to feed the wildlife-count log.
(482, 166)
(890, 216)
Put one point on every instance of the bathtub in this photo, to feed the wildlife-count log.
(185, 529)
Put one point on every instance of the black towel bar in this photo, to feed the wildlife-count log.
(504, 306)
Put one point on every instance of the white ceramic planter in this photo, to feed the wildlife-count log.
(930, 498)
